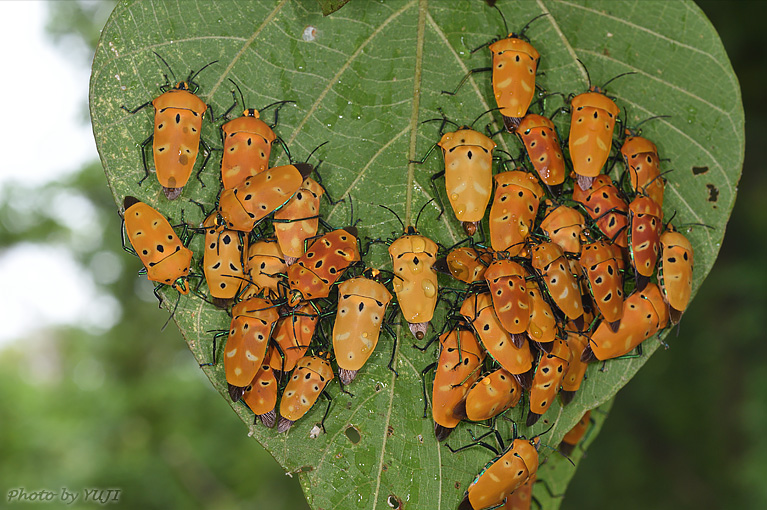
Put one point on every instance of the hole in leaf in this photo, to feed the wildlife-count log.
(697, 170)
(353, 434)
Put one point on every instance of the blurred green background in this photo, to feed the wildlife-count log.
(128, 408)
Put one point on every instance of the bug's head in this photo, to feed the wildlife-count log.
(251, 112)
(305, 169)
(130, 201)
(182, 285)
(182, 85)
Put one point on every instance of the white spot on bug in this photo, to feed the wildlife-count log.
(310, 34)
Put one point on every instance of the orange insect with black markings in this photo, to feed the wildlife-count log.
(512, 215)
(308, 381)
(604, 204)
(246, 205)
(264, 266)
(298, 220)
(223, 260)
(261, 396)
(541, 142)
(176, 137)
(564, 225)
(547, 380)
(643, 163)
(591, 133)
(293, 335)
(164, 256)
(542, 328)
(458, 367)
(492, 395)
(550, 261)
(675, 272)
(502, 476)
(574, 435)
(645, 224)
(576, 369)
(506, 281)
(479, 313)
(315, 272)
(251, 327)
(644, 314)
(362, 304)
(602, 264)
(465, 264)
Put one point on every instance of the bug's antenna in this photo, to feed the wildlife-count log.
(166, 65)
(505, 25)
(419, 212)
(588, 76)
(242, 97)
(191, 78)
(616, 77)
(524, 29)
(395, 215)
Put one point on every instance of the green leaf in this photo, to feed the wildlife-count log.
(365, 80)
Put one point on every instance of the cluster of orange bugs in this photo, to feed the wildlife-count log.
(577, 267)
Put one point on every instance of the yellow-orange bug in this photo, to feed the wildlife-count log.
(316, 271)
(492, 395)
(261, 396)
(547, 380)
(456, 370)
(591, 133)
(604, 204)
(644, 314)
(161, 251)
(563, 225)
(222, 260)
(176, 138)
(551, 263)
(415, 282)
(251, 327)
(309, 378)
(468, 173)
(542, 328)
(645, 224)
(576, 370)
(506, 282)
(263, 266)
(502, 476)
(641, 158)
(522, 497)
(573, 437)
(602, 264)
(478, 311)
(465, 264)
(512, 215)
(298, 220)
(539, 136)
(362, 304)
(245, 206)
(675, 272)
(293, 335)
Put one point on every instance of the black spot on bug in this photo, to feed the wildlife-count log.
(178, 118)
(160, 248)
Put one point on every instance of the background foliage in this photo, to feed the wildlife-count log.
(85, 410)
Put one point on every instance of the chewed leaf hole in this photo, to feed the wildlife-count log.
(713, 193)
(353, 434)
(697, 170)
(394, 502)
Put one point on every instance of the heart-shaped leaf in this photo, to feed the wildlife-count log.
(364, 79)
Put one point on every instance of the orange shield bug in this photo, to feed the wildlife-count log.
(522, 497)
(515, 205)
(362, 304)
(564, 225)
(576, 370)
(251, 327)
(502, 476)
(675, 272)
(465, 264)
(161, 251)
(591, 133)
(248, 144)
(298, 220)
(644, 314)
(415, 282)
(575, 434)
(543, 325)
(243, 207)
(223, 260)
(478, 311)
(261, 396)
(506, 281)
(643, 164)
(176, 138)
(468, 174)
(604, 204)
(547, 380)
(292, 335)
(458, 367)
(492, 395)
(316, 271)
(645, 223)
(264, 265)
(541, 142)
(515, 62)
(311, 375)
(602, 263)
(550, 261)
